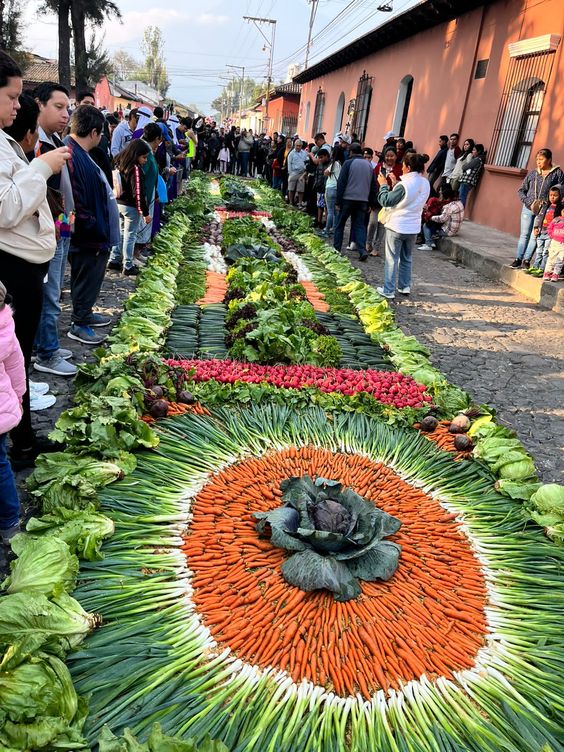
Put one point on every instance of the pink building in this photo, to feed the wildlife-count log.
(486, 70)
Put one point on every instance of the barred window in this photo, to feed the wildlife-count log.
(362, 106)
(521, 102)
(317, 125)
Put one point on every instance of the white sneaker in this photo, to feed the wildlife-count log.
(404, 290)
(42, 402)
(424, 247)
(385, 294)
(38, 388)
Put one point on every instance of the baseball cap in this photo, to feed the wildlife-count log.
(389, 134)
(345, 138)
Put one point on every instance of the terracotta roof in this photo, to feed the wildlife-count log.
(425, 15)
(39, 70)
(289, 88)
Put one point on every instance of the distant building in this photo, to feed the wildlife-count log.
(143, 91)
(487, 69)
(38, 70)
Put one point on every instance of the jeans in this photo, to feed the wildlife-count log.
(463, 192)
(541, 256)
(244, 162)
(330, 199)
(47, 337)
(87, 274)
(527, 241)
(24, 282)
(399, 249)
(277, 182)
(430, 230)
(144, 231)
(9, 502)
(64, 259)
(130, 219)
(356, 210)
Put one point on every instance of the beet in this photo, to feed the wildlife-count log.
(463, 443)
(187, 398)
(429, 423)
(159, 409)
(157, 392)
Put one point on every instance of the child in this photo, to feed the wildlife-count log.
(555, 260)
(132, 203)
(12, 389)
(446, 222)
(540, 229)
(224, 159)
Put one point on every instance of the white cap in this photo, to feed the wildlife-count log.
(389, 134)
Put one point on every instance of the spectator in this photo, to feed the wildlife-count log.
(124, 133)
(296, 162)
(85, 96)
(368, 154)
(356, 192)
(555, 260)
(96, 227)
(389, 141)
(101, 153)
(446, 223)
(376, 231)
(53, 102)
(243, 151)
(401, 146)
(461, 162)
(471, 172)
(403, 222)
(132, 204)
(437, 166)
(453, 152)
(542, 222)
(533, 194)
(153, 136)
(332, 171)
(27, 236)
(12, 389)
(320, 181)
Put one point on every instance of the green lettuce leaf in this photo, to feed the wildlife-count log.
(82, 531)
(157, 742)
(44, 565)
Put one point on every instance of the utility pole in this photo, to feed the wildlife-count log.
(270, 44)
(312, 15)
(241, 68)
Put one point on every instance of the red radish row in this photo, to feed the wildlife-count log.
(387, 387)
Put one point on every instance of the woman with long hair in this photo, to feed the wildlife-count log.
(132, 203)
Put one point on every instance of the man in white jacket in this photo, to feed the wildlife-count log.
(27, 240)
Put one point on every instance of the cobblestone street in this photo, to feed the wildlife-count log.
(491, 341)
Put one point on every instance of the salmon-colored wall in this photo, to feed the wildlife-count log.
(446, 97)
(282, 107)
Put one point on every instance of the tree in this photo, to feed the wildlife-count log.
(228, 100)
(98, 62)
(125, 66)
(95, 12)
(154, 72)
(10, 25)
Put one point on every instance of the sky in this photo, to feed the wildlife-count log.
(201, 39)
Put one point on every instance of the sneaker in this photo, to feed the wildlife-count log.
(526, 264)
(554, 277)
(41, 402)
(115, 265)
(56, 365)
(37, 388)
(385, 294)
(98, 319)
(7, 533)
(516, 264)
(404, 290)
(424, 247)
(363, 257)
(547, 275)
(86, 335)
(64, 354)
(132, 271)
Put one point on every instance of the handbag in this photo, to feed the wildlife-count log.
(384, 215)
(538, 203)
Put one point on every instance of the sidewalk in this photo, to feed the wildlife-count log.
(490, 253)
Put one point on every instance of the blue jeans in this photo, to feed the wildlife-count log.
(244, 163)
(527, 241)
(47, 337)
(463, 192)
(277, 182)
(330, 198)
(399, 249)
(541, 256)
(9, 502)
(430, 229)
(356, 210)
(130, 220)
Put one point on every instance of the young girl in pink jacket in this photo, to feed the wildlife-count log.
(555, 250)
(12, 389)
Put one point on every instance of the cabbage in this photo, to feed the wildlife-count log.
(549, 498)
(82, 531)
(518, 469)
(516, 489)
(44, 565)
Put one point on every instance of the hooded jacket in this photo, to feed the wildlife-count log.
(537, 186)
(26, 223)
(12, 373)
